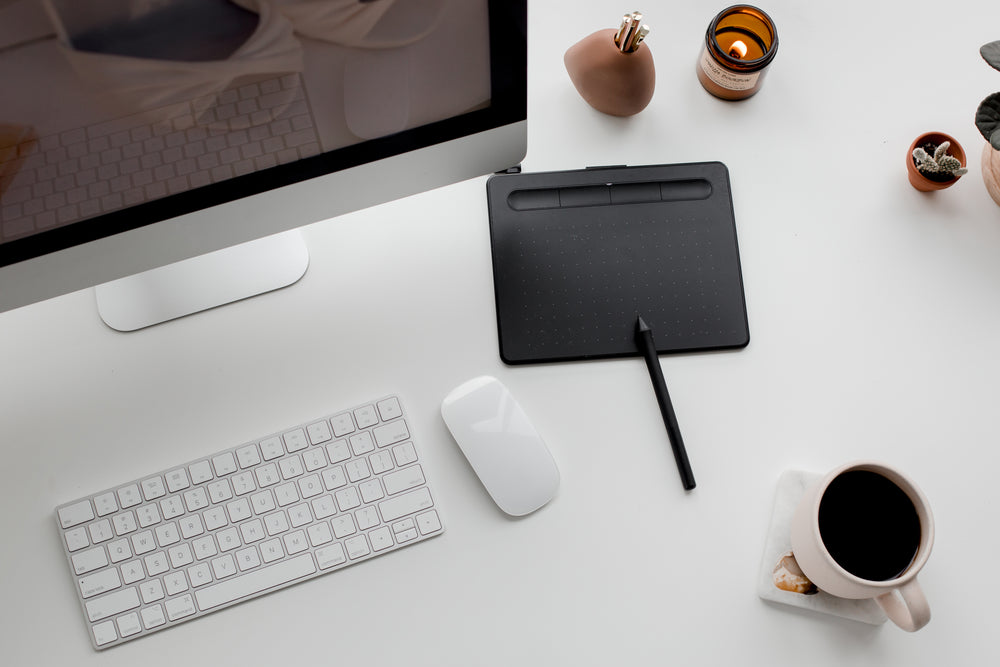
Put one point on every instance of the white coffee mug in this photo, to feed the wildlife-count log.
(899, 596)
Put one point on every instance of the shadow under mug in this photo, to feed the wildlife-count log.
(899, 596)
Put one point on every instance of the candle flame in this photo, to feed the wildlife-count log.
(738, 49)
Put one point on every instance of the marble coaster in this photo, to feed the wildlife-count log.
(791, 485)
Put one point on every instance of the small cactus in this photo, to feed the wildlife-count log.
(939, 163)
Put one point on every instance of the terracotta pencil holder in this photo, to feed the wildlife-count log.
(610, 80)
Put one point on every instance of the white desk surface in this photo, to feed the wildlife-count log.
(874, 318)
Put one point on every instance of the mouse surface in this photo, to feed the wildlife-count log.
(503, 447)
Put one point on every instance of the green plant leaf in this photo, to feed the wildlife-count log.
(988, 119)
(991, 54)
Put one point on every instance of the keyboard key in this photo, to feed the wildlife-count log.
(356, 547)
(319, 533)
(119, 551)
(224, 464)
(296, 440)
(224, 566)
(338, 451)
(175, 583)
(248, 456)
(361, 443)
(291, 467)
(367, 517)
(129, 496)
(255, 582)
(100, 531)
(286, 494)
(347, 499)
(403, 480)
(391, 433)
(380, 462)
(247, 559)
(334, 478)
(314, 459)
(195, 499)
(147, 515)
(267, 475)
(428, 522)
(156, 563)
(151, 590)
(171, 507)
(100, 582)
(319, 432)
(76, 514)
(271, 448)
(271, 550)
(408, 503)
(380, 538)
(112, 604)
(252, 531)
(106, 504)
(153, 617)
(330, 556)
(128, 625)
(343, 526)
(239, 510)
(243, 483)
(178, 608)
(132, 572)
(200, 472)
(167, 534)
(180, 555)
(177, 480)
(389, 409)
(104, 633)
(342, 424)
(89, 560)
(199, 575)
(143, 542)
(262, 502)
(220, 491)
(214, 518)
(295, 542)
(371, 490)
(153, 488)
(76, 539)
(366, 416)
(310, 486)
(357, 470)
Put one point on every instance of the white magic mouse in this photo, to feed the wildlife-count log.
(496, 436)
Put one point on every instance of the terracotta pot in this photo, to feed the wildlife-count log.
(991, 171)
(918, 180)
(616, 83)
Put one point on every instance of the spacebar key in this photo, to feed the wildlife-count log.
(255, 582)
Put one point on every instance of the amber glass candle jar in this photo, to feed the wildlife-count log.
(739, 45)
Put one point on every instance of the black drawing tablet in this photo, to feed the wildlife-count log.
(578, 254)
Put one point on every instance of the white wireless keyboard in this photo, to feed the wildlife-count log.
(177, 545)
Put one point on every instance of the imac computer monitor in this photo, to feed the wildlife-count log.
(165, 151)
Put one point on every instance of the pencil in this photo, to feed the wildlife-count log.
(644, 341)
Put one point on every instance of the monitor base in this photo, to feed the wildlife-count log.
(203, 282)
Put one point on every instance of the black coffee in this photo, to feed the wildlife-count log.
(869, 525)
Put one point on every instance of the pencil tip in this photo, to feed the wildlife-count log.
(640, 324)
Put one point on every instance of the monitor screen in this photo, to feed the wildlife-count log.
(135, 133)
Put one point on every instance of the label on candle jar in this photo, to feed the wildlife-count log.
(726, 78)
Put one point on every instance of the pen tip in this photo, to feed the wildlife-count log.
(640, 324)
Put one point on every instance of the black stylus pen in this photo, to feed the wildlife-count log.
(644, 340)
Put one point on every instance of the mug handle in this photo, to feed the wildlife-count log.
(909, 610)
